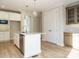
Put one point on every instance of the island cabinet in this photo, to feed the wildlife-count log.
(21, 43)
(16, 40)
(29, 44)
(72, 14)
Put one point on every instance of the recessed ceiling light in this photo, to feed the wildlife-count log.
(2, 6)
(34, 13)
(27, 6)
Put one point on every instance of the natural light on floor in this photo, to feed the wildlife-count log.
(73, 54)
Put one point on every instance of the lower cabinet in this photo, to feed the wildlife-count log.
(4, 36)
(71, 39)
(21, 44)
(68, 39)
(32, 45)
(16, 39)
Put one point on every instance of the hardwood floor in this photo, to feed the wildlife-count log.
(49, 50)
(8, 50)
(53, 51)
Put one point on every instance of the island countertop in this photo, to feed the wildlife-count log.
(30, 33)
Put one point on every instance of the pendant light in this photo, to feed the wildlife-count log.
(34, 12)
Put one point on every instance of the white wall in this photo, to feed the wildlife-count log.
(53, 20)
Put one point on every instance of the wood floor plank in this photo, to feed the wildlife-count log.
(9, 50)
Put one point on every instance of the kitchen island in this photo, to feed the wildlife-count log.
(30, 44)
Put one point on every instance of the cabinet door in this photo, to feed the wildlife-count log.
(16, 40)
(32, 45)
(75, 42)
(14, 16)
(4, 15)
(68, 39)
(70, 15)
(78, 14)
(4, 36)
(50, 26)
(21, 44)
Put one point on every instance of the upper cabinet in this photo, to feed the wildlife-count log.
(78, 14)
(3, 15)
(72, 14)
(15, 16)
(10, 16)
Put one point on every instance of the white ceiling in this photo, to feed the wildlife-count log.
(41, 5)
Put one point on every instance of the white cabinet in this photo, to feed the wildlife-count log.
(75, 40)
(10, 16)
(4, 36)
(32, 44)
(15, 16)
(4, 15)
(16, 40)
